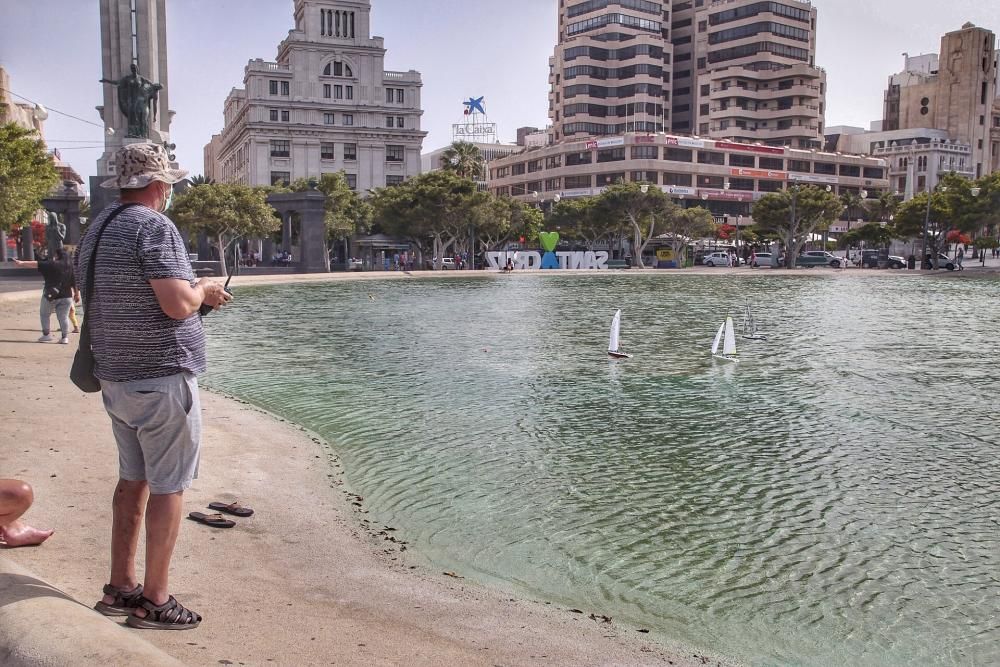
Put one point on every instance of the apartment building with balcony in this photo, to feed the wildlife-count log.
(325, 105)
(742, 70)
(756, 77)
(610, 68)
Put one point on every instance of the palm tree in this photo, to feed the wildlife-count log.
(851, 201)
(464, 159)
(200, 180)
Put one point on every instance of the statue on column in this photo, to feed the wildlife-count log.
(55, 233)
(137, 98)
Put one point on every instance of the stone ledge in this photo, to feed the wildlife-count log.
(42, 626)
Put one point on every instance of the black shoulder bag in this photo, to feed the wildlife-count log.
(82, 372)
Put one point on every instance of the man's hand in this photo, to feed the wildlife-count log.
(215, 295)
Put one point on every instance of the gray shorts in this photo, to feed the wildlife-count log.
(157, 425)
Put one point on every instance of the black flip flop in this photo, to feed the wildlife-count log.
(213, 520)
(233, 508)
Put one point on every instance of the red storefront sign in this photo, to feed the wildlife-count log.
(645, 139)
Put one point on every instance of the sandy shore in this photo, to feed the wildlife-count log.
(306, 580)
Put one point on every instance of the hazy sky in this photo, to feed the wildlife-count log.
(496, 48)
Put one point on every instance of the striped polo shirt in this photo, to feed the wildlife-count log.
(132, 338)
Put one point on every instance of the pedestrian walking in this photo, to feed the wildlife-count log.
(959, 257)
(58, 293)
(149, 347)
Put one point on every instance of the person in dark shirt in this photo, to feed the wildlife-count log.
(57, 293)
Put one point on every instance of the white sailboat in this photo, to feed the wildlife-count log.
(613, 343)
(750, 325)
(726, 336)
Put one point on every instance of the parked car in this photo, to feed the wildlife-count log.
(354, 264)
(811, 258)
(447, 263)
(717, 259)
(944, 262)
(762, 259)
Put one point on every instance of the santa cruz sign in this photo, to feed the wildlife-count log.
(550, 259)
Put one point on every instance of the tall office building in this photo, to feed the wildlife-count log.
(325, 105)
(955, 91)
(610, 69)
(742, 70)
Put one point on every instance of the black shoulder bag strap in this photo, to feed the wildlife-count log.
(82, 372)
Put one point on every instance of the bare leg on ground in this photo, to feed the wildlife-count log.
(15, 499)
(127, 507)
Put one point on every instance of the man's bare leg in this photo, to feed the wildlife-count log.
(15, 499)
(127, 508)
(163, 520)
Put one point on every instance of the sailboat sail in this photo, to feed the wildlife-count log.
(729, 347)
(718, 338)
(749, 326)
(616, 324)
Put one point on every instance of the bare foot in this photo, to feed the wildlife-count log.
(17, 534)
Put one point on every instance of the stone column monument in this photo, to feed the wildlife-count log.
(134, 79)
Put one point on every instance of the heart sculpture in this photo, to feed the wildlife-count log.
(549, 240)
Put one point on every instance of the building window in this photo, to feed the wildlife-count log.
(280, 148)
(352, 181)
(684, 180)
(389, 121)
(274, 115)
(272, 87)
(645, 177)
(645, 153)
(577, 182)
(338, 69)
(737, 160)
(611, 155)
(350, 92)
(281, 177)
(325, 151)
(326, 90)
(285, 88)
(284, 116)
(610, 179)
(348, 119)
(400, 95)
(709, 157)
(392, 180)
(800, 166)
(338, 92)
(389, 95)
(678, 155)
(328, 119)
(394, 153)
(772, 163)
(350, 151)
(400, 122)
(573, 159)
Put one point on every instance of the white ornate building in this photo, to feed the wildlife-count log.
(325, 105)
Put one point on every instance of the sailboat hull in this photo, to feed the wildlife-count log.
(723, 357)
(619, 355)
(754, 337)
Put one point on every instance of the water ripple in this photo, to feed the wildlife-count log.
(832, 499)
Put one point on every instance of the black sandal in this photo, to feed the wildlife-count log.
(213, 520)
(125, 601)
(171, 615)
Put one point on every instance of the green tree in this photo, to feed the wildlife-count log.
(684, 225)
(465, 159)
(911, 216)
(433, 209)
(346, 214)
(643, 212)
(883, 207)
(502, 219)
(225, 212)
(580, 219)
(200, 180)
(27, 175)
(852, 203)
(794, 215)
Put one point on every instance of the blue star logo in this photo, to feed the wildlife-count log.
(474, 104)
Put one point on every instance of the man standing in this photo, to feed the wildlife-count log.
(57, 293)
(148, 346)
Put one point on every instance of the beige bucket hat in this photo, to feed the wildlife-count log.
(141, 164)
